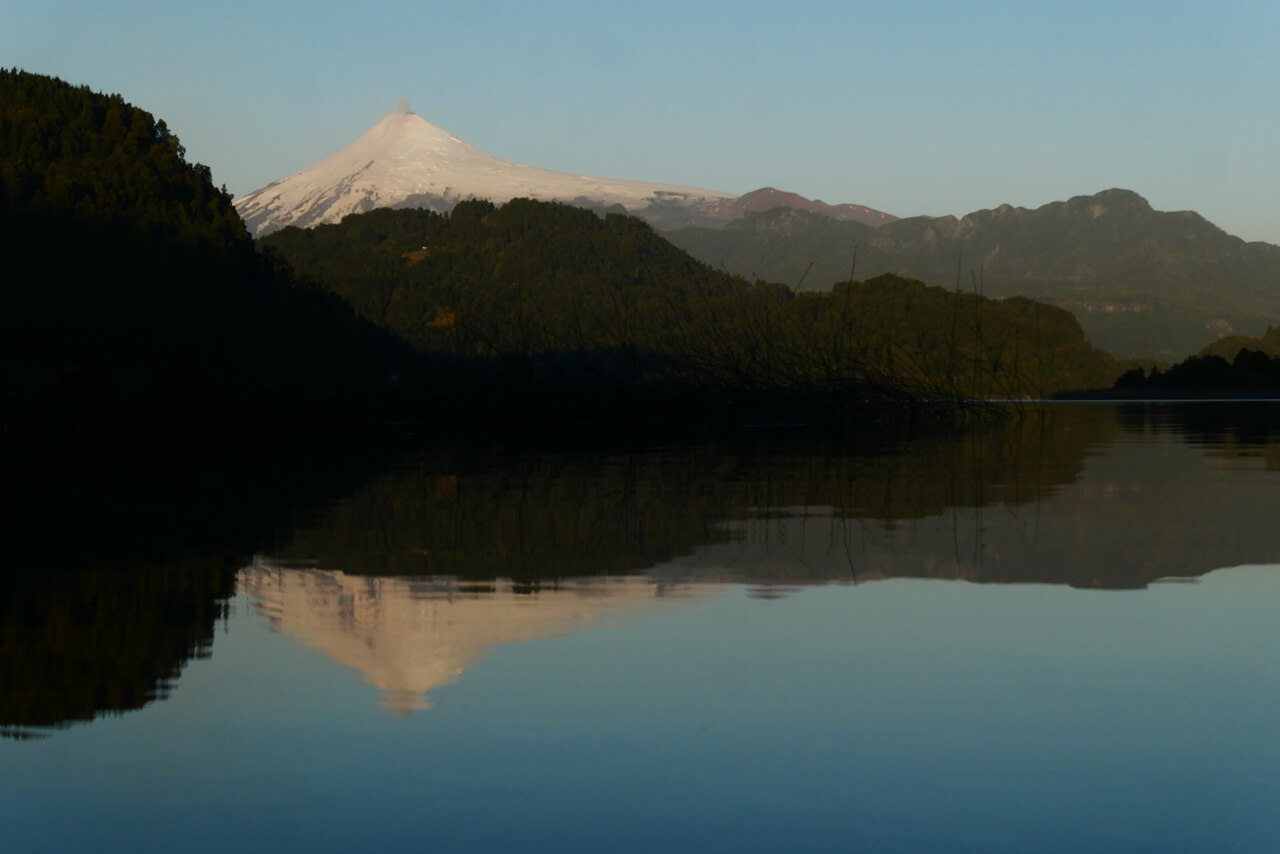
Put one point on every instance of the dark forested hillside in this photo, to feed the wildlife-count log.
(1235, 366)
(1141, 282)
(132, 289)
(527, 276)
(540, 280)
(81, 157)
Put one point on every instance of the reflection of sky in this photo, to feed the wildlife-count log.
(897, 715)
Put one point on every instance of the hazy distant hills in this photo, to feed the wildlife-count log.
(1142, 282)
(767, 198)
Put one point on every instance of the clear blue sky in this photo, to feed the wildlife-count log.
(909, 107)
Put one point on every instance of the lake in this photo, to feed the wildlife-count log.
(1055, 631)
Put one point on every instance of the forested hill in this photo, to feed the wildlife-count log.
(539, 280)
(528, 262)
(77, 157)
(132, 289)
(1141, 282)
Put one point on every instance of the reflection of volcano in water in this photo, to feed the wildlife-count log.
(409, 636)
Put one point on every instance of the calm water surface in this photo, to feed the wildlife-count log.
(1054, 633)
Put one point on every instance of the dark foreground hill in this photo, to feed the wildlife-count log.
(132, 291)
(1141, 282)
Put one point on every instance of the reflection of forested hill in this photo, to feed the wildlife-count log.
(74, 646)
(117, 565)
(553, 516)
(1176, 491)
(1059, 497)
(1219, 424)
(111, 584)
(1233, 432)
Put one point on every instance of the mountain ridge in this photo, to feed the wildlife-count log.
(767, 198)
(404, 161)
(1142, 282)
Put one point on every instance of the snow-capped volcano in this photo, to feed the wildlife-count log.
(405, 161)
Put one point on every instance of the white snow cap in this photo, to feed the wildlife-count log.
(405, 161)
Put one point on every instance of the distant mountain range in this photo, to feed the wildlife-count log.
(1143, 283)
(404, 161)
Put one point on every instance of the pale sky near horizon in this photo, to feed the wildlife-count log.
(910, 107)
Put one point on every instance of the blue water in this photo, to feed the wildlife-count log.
(646, 713)
(897, 715)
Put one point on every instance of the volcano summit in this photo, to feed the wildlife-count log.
(405, 161)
